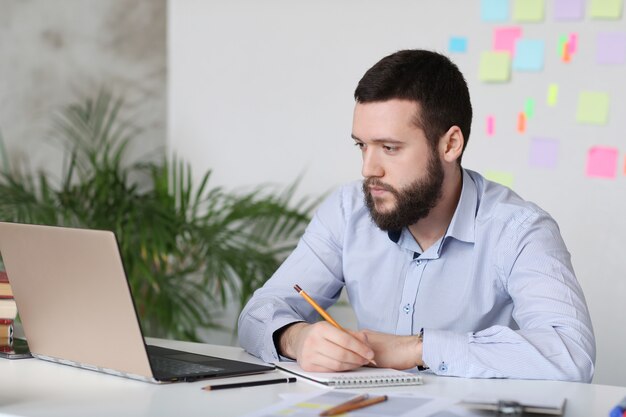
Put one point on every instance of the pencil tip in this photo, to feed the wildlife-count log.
(297, 288)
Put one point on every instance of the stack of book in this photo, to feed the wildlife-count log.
(8, 308)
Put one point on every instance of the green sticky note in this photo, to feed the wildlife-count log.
(593, 107)
(562, 45)
(494, 67)
(501, 177)
(606, 9)
(529, 108)
(528, 10)
(553, 93)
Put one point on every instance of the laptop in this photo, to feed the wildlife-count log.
(76, 307)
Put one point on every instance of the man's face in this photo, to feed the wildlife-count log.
(403, 174)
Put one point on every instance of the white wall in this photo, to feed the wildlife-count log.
(262, 92)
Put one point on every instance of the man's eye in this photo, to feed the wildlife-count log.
(390, 148)
(359, 145)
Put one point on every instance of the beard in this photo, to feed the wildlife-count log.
(413, 202)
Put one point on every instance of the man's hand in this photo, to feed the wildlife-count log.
(397, 352)
(321, 347)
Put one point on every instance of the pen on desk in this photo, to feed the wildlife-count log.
(619, 410)
(322, 312)
(356, 399)
(249, 384)
(353, 405)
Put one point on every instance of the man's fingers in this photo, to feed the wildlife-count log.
(353, 342)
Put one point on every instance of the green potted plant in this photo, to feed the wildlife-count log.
(187, 247)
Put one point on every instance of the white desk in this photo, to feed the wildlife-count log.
(31, 387)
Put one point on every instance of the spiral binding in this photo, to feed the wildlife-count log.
(374, 381)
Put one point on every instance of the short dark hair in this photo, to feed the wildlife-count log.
(428, 78)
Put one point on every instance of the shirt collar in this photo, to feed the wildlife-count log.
(462, 224)
(464, 219)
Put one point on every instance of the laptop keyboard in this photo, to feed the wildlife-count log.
(176, 367)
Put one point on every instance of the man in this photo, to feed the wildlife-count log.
(444, 269)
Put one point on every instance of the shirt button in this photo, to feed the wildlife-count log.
(418, 262)
(443, 367)
(407, 309)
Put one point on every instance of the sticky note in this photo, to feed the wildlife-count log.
(521, 122)
(494, 10)
(562, 49)
(569, 9)
(494, 67)
(529, 108)
(491, 125)
(543, 152)
(605, 9)
(457, 44)
(593, 107)
(602, 162)
(611, 48)
(504, 178)
(528, 10)
(528, 55)
(553, 94)
(572, 43)
(504, 38)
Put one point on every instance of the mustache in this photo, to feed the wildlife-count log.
(375, 182)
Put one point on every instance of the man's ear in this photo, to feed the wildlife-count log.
(451, 144)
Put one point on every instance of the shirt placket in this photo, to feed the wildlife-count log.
(406, 308)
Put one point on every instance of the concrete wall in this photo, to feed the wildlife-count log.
(54, 53)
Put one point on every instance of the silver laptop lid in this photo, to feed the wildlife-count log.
(73, 297)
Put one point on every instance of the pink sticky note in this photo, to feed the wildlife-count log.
(490, 125)
(572, 43)
(504, 38)
(602, 162)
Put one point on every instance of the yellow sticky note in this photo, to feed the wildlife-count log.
(553, 93)
(593, 107)
(494, 67)
(606, 9)
(528, 10)
(314, 406)
(504, 178)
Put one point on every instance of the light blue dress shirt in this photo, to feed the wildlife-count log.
(496, 295)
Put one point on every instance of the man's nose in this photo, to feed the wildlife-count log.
(371, 164)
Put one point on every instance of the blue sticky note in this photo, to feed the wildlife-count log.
(494, 10)
(457, 44)
(529, 55)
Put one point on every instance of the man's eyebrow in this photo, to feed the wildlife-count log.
(378, 140)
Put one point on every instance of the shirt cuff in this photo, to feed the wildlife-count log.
(271, 355)
(445, 352)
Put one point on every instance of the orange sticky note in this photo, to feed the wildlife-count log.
(521, 122)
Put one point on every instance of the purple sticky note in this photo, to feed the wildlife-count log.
(602, 162)
(611, 48)
(543, 152)
(569, 9)
(504, 38)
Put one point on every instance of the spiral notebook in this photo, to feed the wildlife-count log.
(358, 378)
